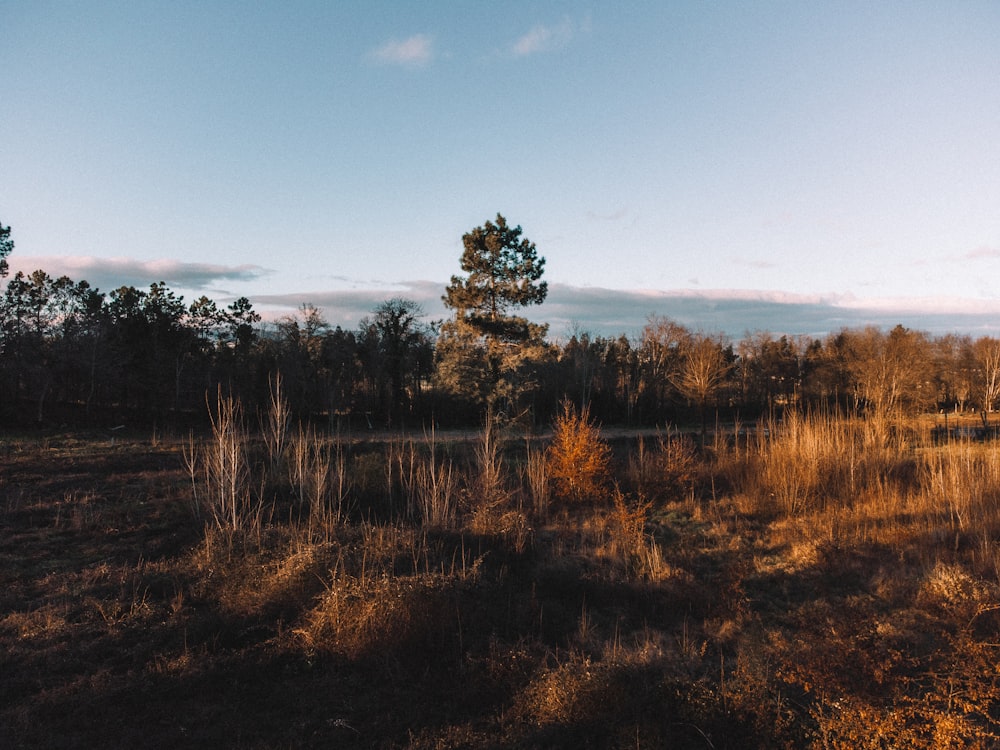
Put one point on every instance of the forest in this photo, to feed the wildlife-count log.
(216, 532)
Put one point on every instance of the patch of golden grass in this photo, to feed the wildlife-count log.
(44, 621)
(950, 587)
(380, 617)
(571, 692)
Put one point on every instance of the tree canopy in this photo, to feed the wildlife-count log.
(503, 273)
(486, 354)
(6, 248)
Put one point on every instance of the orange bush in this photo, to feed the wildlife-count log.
(578, 460)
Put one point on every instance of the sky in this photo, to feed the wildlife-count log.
(794, 167)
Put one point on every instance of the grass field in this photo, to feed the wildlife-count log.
(817, 582)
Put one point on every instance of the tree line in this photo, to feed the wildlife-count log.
(70, 353)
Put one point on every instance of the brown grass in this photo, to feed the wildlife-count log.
(815, 582)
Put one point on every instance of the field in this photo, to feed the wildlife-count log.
(815, 582)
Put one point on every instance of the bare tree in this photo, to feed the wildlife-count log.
(987, 355)
(395, 347)
(704, 367)
(660, 354)
(955, 366)
(890, 370)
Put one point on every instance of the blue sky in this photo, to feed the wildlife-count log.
(786, 166)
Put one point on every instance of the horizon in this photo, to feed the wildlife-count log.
(788, 168)
(568, 310)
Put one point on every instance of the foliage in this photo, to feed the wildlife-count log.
(486, 353)
(578, 461)
(73, 354)
(503, 273)
(6, 248)
(395, 352)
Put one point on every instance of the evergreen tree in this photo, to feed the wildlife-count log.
(486, 354)
(503, 272)
(6, 248)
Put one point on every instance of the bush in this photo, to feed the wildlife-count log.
(666, 473)
(578, 460)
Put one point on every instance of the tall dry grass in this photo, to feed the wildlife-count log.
(227, 475)
(429, 482)
(319, 477)
(853, 481)
(812, 462)
(828, 572)
(275, 426)
(535, 478)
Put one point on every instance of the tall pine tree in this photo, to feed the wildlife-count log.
(486, 353)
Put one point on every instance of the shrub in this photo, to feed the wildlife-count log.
(578, 460)
(666, 473)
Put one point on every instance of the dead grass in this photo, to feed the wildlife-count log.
(815, 583)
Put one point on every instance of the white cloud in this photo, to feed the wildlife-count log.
(612, 312)
(544, 38)
(110, 273)
(414, 51)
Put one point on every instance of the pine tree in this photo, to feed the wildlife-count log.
(486, 354)
(6, 248)
(503, 273)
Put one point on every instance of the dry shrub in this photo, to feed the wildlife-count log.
(909, 679)
(851, 724)
(429, 485)
(489, 485)
(628, 538)
(510, 524)
(597, 696)
(578, 461)
(636, 703)
(277, 575)
(46, 620)
(960, 705)
(489, 501)
(396, 618)
(667, 472)
(949, 587)
(952, 712)
(572, 692)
